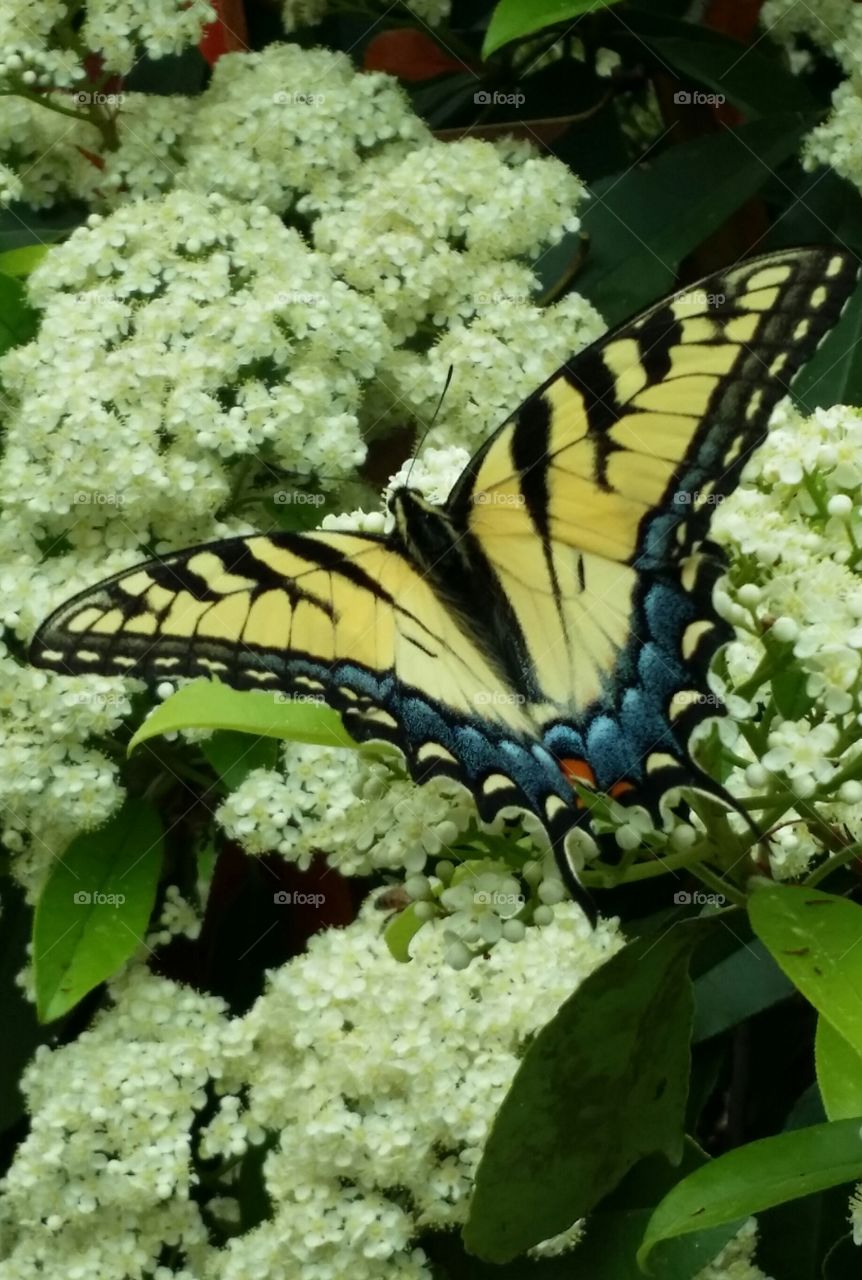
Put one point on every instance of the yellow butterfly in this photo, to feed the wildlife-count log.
(553, 619)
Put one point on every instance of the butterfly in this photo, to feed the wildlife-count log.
(552, 621)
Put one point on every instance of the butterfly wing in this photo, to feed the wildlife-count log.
(344, 616)
(589, 507)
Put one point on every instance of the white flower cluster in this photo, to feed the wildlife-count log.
(101, 1183)
(47, 155)
(51, 784)
(359, 811)
(736, 1260)
(836, 27)
(432, 235)
(794, 596)
(177, 337)
(290, 122)
(28, 60)
(497, 358)
(119, 29)
(370, 1075)
(386, 1076)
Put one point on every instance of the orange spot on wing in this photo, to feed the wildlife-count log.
(578, 769)
(620, 788)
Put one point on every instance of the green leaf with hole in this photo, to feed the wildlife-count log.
(515, 19)
(816, 938)
(614, 1064)
(207, 704)
(839, 1073)
(95, 908)
(755, 1177)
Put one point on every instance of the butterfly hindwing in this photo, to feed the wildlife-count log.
(590, 506)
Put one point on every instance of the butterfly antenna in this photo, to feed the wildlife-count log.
(424, 435)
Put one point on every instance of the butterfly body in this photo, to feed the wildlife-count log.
(553, 620)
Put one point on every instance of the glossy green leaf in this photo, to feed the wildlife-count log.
(18, 320)
(20, 262)
(816, 938)
(644, 221)
(741, 74)
(747, 982)
(613, 1062)
(235, 755)
(515, 19)
(95, 908)
(207, 704)
(833, 375)
(756, 1177)
(839, 1073)
(400, 932)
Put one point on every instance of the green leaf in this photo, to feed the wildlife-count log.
(740, 986)
(616, 1227)
(18, 320)
(839, 1073)
(614, 1063)
(235, 755)
(400, 932)
(790, 690)
(95, 907)
(815, 938)
(207, 704)
(757, 1177)
(833, 375)
(644, 221)
(21, 225)
(20, 262)
(514, 19)
(741, 74)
